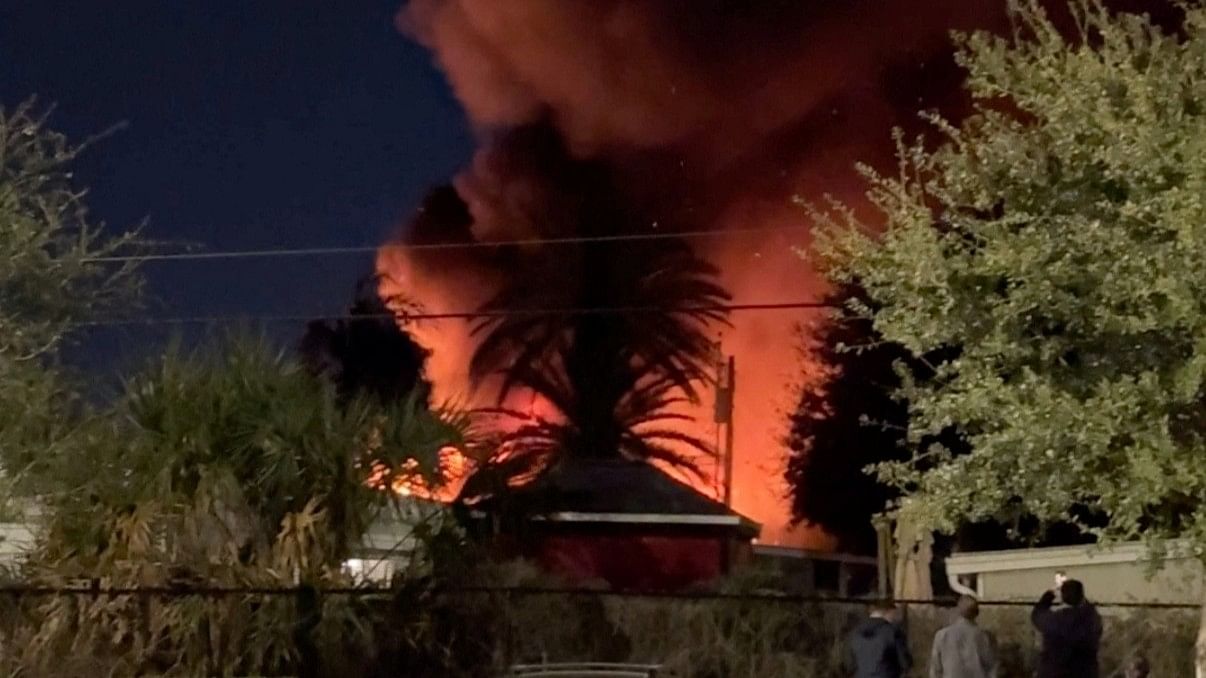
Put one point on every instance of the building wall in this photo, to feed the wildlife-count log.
(633, 562)
(1178, 582)
(16, 539)
(807, 572)
(1118, 573)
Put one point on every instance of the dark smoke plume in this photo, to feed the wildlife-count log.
(694, 103)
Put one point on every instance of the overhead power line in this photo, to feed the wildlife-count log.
(455, 315)
(406, 247)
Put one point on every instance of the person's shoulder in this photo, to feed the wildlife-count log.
(963, 628)
(858, 632)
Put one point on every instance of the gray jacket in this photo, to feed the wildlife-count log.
(963, 650)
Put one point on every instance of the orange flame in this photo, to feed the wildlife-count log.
(452, 468)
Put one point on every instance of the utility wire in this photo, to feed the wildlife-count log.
(456, 315)
(372, 249)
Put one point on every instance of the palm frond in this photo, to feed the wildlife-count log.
(631, 373)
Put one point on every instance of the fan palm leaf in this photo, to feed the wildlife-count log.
(616, 341)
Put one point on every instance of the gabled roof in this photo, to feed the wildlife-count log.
(620, 491)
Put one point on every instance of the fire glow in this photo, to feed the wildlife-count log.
(705, 116)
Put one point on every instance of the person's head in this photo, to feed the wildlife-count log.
(1072, 592)
(1138, 668)
(967, 608)
(886, 609)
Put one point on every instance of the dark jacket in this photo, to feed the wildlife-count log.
(1071, 636)
(877, 648)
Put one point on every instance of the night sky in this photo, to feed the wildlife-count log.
(251, 125)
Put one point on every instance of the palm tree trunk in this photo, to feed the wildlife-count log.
(597, 379)
(309, 614)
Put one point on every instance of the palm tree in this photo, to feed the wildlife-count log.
(615, 336)
(230, 467)
(247, 418)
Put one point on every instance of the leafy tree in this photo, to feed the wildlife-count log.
(1064, 277)
(845, 420)
(368, 353)
(50, 279)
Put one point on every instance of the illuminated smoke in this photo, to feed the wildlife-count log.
(700, 114)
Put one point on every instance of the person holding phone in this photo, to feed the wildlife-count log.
(1071, 634)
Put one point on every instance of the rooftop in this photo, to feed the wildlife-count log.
(621, 491)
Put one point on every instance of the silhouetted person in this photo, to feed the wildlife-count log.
(1071, 634)
(963, 649)
(877, 648)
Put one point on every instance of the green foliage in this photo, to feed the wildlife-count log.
(228, 468)
(1052, 246)
(246, 436)
(50, 278)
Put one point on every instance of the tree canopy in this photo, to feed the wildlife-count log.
(367, 353)
(1052, 244)
(52, 276)
(845, 420)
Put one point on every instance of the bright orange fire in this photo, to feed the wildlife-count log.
(452, 469)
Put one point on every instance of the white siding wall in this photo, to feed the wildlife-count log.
(1122, 574)
(16, 539)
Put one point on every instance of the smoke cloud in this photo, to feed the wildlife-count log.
(693, 114)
